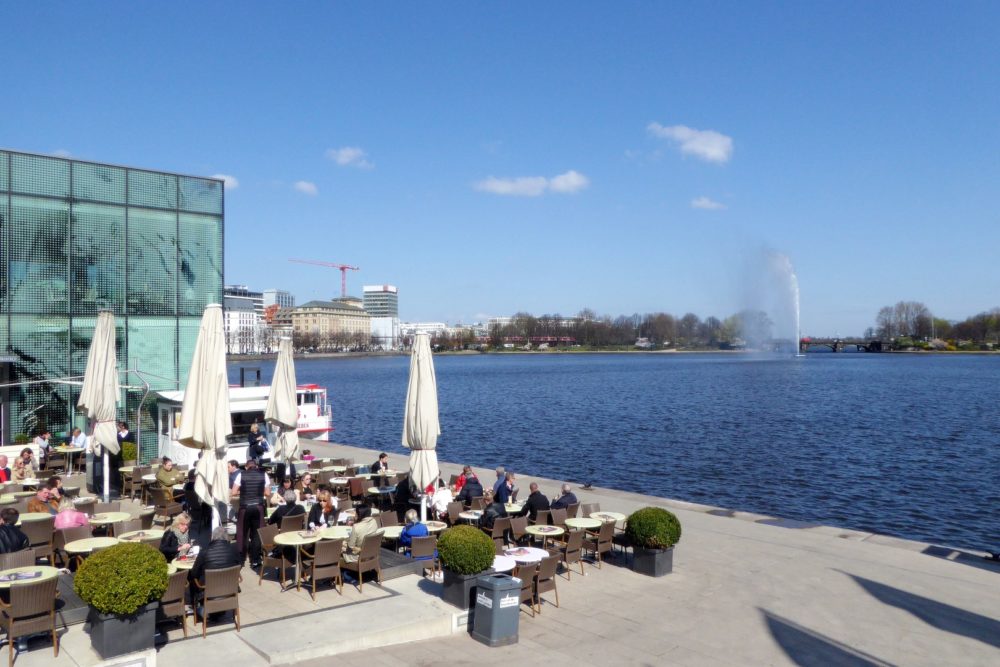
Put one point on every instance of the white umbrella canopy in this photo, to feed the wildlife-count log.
(205, 417)
(101, 392)
(421, 427)
(282, 408)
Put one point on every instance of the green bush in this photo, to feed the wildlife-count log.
(130, 451)
(21, 439)
(122, 579)
(653, 528)
(466, 550)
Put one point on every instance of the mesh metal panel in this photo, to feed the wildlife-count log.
(38, 175)
(97, 258)
(200, 195)
(4, 170)
(200, 278)
(187, 329)
(80, 336)
(98, 182)
(148, 188)
(37, 258)
(151, 345)
(40, 343)
(152, 262)
(4, 226)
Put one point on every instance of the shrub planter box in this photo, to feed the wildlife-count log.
(653, 562)
(459, 589)
(113, 635)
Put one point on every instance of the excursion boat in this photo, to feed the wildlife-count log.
(246, 407)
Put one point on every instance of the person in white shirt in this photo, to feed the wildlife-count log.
(440, 500)
(78, 439)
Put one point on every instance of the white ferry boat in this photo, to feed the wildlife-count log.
(246, 407)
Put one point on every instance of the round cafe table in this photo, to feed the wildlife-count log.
(297, 538)
(79, 500)
(33, 516)
(126, 468)
(334, 469)
(391, 532)
(503, 563)
(149, 478)
(580, 523)
(146, 535)
(181, 564)
(7, 499)
(339, 481)
(513, 507)
(8, 577)
(470, 515)
(109, 519)
(87, 545)
(335, 533)
(70, 453)
(527, 554)
(608, 517)
(545, 532)
(29, 482)
(435, 526)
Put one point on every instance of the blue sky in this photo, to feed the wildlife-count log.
(489, 158)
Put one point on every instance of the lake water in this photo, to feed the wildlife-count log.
(905, 445)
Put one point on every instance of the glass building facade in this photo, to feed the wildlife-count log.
(78, 237)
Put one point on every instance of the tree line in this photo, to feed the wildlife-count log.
(913, 320)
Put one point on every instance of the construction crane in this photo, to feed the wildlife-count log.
(344, 268)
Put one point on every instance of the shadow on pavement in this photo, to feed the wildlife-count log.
(811, 649)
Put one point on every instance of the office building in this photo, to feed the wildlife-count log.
(279, 298)
(381, 300)
(244, 292)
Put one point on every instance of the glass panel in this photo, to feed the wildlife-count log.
(38, 242)
(187, 339)
(4, 225)
(40, 343)
(81, 335)
(151, 345)
(97, 258)
(98, 182)
(147, 188)
(201, 263)
(152, 262)
(37, 175)
(4, 169)
(201, 195)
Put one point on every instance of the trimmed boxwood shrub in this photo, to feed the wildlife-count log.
(130, 451)
(122, 579)
(21, 439)
(653, 528)
(466, 550)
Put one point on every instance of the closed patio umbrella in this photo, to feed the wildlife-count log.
(282, 407)
(205, 417)
(421, 427)
(101, 392)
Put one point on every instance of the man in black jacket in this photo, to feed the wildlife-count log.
(11, 537)
(251, 486)
(535, 502)
(471, 489)
(290, 508)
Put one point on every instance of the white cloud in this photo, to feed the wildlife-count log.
(568, 183)
(62, 152)
(305, 187)
(231, 182)
(350, 156)
(534, 186)
(707, 204)
(707, 145)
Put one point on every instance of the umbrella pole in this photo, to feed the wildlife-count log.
(423, 508)
(107, 477)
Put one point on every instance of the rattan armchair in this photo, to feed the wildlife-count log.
(221, 592)
(267, 535)
(425, 548)
(600, 542)
(172, 602)
(31, 611)
(526, 573)
(323, 563)
(545, 580)
(40, 534)
(570, 551)
(369, 559)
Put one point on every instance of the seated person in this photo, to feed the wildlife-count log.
(278, 497)
(55, 485)
(323, 513)
(11, 537)
(256, 443)
(565, 500)
(69, 516)
(43, 503)
(307, 455)
(176, 540)
(364, 526)
(42, 442)
(167, 476)
(304, 489)
(288, 507)
(505, 491)
(470, 489)
(381, 465)
(460, 482)
(439, 503)
(494, 510)
(24, 466)
(535, 502)
(219, 554)
(412, 529)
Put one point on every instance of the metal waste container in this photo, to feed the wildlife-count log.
(497, 610)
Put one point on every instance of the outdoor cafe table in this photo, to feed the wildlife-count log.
(513, 507)
(608, 517)
(70, 453)
(335, 533)
(527, 554)
(8, 577)
(339, 481)
(470, 515)
(181, 564)
(503, 563)
(88, 544)
(109, 518)
(544, 532)
(584, 523)
(435, 526)
(334, 469)
(145, 535)
(297, 538)
(7, 499)
(30, 482)
(32, 516)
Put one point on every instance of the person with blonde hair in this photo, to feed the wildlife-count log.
(176, 541)
(69, 516)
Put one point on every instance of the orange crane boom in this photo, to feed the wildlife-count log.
(344, 268)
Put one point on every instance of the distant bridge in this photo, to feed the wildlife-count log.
(838, 344)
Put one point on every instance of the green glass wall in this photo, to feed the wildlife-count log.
(79, 237)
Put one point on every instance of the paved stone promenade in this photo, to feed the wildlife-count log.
(742, 593)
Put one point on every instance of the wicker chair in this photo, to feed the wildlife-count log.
(501, 529)
(454, 509)
(22, 558)
(425, 548)
(293, 523)
(127, 526)
(61, 537)
(571, 551)
(557, 517)
(324, 563)
(526, 573)
(386, 519)
(586, 509)
(519, 528)
(41, 537)
(369, 559)
(267, 535)
(88, 507)
(221, 593)
(101, 508)
(172, 602)
(32, 610)
(477, 503)
(572, 510)
(600, 542)
(545, 579)
(358, 488)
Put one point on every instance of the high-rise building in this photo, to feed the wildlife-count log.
(278, 297)
(78, 237)
(244, 292)
(381, 300)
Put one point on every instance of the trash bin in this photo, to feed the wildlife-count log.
(497, 610)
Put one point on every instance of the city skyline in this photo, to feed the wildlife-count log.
(490, 160)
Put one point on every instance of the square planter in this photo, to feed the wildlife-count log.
(653, 562)
(460, 589)
(113, 635)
